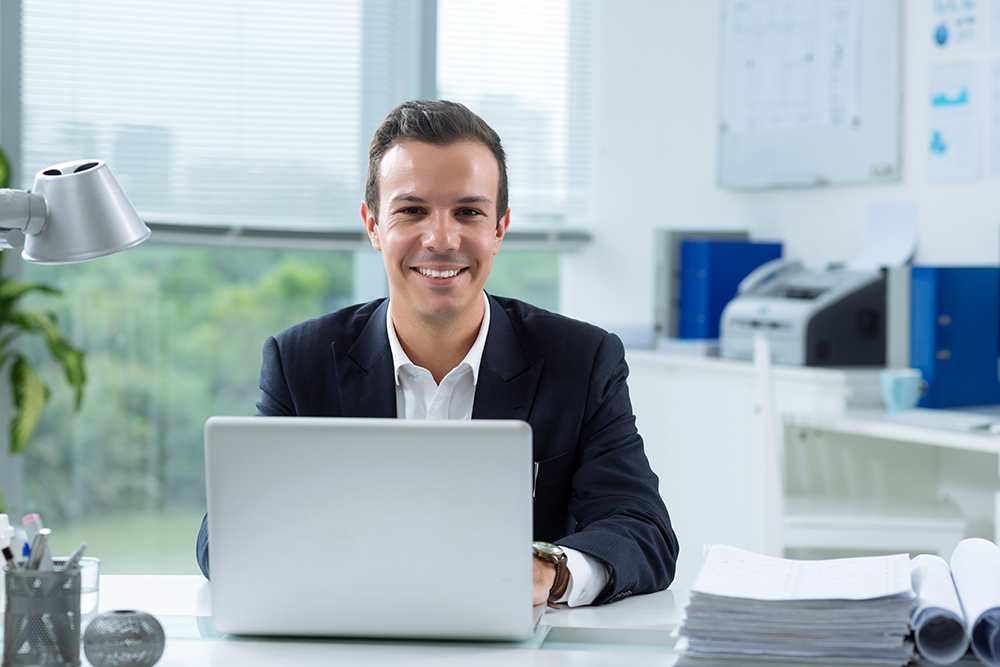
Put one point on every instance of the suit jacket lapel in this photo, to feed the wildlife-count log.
(506, 385)
(364, 371)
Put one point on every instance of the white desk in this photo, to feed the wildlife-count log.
(634, 632)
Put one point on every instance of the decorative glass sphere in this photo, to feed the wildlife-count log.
(124, 638)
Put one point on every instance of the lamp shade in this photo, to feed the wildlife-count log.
(88, 215)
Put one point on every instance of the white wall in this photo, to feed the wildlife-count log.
(657, 72)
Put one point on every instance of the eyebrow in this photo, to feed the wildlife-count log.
(475, 199)
(472, 199)
(411, 198)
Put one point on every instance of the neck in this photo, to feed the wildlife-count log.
(438, 346)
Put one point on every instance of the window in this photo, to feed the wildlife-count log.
(173, 336)
(237, 115)
(519, 65)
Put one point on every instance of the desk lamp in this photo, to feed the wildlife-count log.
(75, 211)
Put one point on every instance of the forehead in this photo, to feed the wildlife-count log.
(419, 168)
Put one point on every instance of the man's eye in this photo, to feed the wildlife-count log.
(411, 210)
(468, 212)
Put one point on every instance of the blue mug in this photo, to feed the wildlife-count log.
(901, 388)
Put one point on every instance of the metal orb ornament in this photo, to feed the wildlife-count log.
(117, 638)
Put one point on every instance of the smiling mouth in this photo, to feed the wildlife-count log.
(431, 273)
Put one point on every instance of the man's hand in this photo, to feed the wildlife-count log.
(545, 576)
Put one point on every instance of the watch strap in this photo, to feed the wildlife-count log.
(560, 583)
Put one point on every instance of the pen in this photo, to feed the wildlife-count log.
(74, 558)
(38, 546)
(9, 557)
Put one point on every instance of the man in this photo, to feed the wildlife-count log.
(441, 348)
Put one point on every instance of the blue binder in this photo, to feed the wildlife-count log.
(710, 273)
(955, 323)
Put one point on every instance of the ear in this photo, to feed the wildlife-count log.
(371, 224)
(502, 226)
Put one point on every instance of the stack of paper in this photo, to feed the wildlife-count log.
(748, 609)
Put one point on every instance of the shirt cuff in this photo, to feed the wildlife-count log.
(587, 578)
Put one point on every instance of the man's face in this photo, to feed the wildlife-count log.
(438, 228)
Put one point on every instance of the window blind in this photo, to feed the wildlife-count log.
(232, 112)
(258, 114)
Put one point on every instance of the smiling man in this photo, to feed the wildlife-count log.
(441, 348)
(434, 216)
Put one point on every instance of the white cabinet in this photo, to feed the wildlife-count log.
(699, 420)
(841, 473)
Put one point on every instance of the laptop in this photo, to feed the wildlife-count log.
(370, 527)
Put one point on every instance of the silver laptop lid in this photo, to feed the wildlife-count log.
(370, 527)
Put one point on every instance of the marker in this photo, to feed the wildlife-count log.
(9, 557)
(6, 531)
(32, 524)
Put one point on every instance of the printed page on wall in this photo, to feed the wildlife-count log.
(953, 140)
(956, 25)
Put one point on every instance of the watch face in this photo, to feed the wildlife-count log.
(546, 548)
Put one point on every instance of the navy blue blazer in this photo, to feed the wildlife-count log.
(594, 491)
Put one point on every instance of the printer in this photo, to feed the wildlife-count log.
(833, 317)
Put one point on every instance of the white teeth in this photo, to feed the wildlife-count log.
(438, 274)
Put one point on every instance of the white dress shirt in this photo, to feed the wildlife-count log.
(419, 397)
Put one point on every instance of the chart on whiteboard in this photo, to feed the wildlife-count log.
(789, 65)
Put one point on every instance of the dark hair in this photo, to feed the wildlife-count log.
(441, 123)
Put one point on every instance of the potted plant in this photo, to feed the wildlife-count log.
(30, 394)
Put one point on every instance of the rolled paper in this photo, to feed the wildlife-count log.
(975, 567)
(940, 631)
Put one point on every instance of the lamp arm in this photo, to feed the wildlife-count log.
(21, 212)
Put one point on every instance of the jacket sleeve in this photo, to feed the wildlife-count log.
(620, 516)
(275, 397)
(201, 549)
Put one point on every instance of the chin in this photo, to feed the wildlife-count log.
(443, 311)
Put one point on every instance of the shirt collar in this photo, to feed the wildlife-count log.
(472, 359)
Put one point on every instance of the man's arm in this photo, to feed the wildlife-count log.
(621, 518)
(201, 549)
(275, 397)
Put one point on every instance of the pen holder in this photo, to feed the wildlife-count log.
(42, 620)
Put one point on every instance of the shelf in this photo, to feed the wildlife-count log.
(877, 424)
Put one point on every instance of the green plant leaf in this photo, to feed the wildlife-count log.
(10, 292)
(12, 289)
(70, 358)
(4, 181)
(30, 397)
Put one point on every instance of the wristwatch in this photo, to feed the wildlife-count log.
(555, 555)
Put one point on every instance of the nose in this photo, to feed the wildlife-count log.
(442, 233)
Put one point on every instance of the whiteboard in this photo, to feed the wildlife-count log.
(809, 93)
